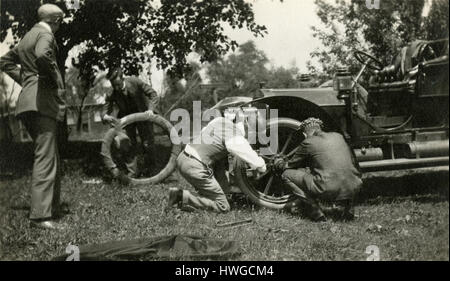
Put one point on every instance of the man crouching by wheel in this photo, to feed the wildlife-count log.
(197, 162)
(322, 168)
(131, 95)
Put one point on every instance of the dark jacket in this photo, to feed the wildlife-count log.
(331, 164)
(140, 97)
(38, 74)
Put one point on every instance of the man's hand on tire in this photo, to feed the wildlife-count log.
(262, 169)
(259, 172)
(111, 120)
(120, 177)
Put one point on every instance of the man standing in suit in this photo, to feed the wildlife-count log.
(40, 106)
(322, 168)
(131, 95)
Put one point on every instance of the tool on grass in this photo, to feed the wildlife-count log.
(235, 223)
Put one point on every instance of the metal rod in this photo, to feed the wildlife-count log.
(287, 143)
(403, 163)
(235, 223)
(293, 151)
(355, 80)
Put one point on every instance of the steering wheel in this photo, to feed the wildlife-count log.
(368, 60)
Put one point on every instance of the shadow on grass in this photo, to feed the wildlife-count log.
(423, 186)
(16, 159)
(20, 207)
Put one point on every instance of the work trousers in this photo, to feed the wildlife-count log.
(210, 194)
(301, 183)
(146, 135)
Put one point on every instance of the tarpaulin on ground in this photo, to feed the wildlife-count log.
(176, 247)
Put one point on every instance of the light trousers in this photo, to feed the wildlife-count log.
(210, 194)
(45, 183)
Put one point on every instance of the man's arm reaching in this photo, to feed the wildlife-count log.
(238, 146)
(151, 94)
(299, 158)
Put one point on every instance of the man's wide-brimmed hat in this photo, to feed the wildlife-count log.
(231, 102)
(50, 13)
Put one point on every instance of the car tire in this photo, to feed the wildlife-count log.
(251, 188)
(169, 167)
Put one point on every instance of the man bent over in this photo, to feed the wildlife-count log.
(198, 162)
(131, 95)
(322, 168)
(122, 153)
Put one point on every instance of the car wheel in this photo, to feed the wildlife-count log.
(269, 190)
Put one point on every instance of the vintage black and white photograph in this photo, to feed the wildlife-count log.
(224, 131)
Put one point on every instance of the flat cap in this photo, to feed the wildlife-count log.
(50, 13)
(311, 123)
(114, 73)
(122, 142)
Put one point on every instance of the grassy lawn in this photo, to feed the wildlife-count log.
(405, 215)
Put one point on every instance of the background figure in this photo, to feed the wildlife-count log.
(322, 168)
(121, 156)
(131, 95)
(39, 106)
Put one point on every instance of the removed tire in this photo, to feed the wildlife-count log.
(165, 144)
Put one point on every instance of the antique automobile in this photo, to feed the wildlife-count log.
(400, 120)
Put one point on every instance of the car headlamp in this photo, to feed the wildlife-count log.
(343, 82)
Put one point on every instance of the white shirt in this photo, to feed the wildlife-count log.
(237, 145)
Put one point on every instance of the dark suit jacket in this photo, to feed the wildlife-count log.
(38, 74)
(330, 161)
(139, 97)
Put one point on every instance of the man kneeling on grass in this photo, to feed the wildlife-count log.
(121, 151)
(198, 160)
(330, 174)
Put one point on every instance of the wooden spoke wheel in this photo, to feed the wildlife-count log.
(269, 190)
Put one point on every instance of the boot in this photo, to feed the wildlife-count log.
(315, 213)
(346, 210)
(309, 208)
(175, 197)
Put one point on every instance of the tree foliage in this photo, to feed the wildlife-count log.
(239, 74)
(180, 93)
(381, 32)
(281, 77)
(436, 24)
(245, 71)
(242, 72)
(5, 109)
(133, 32)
